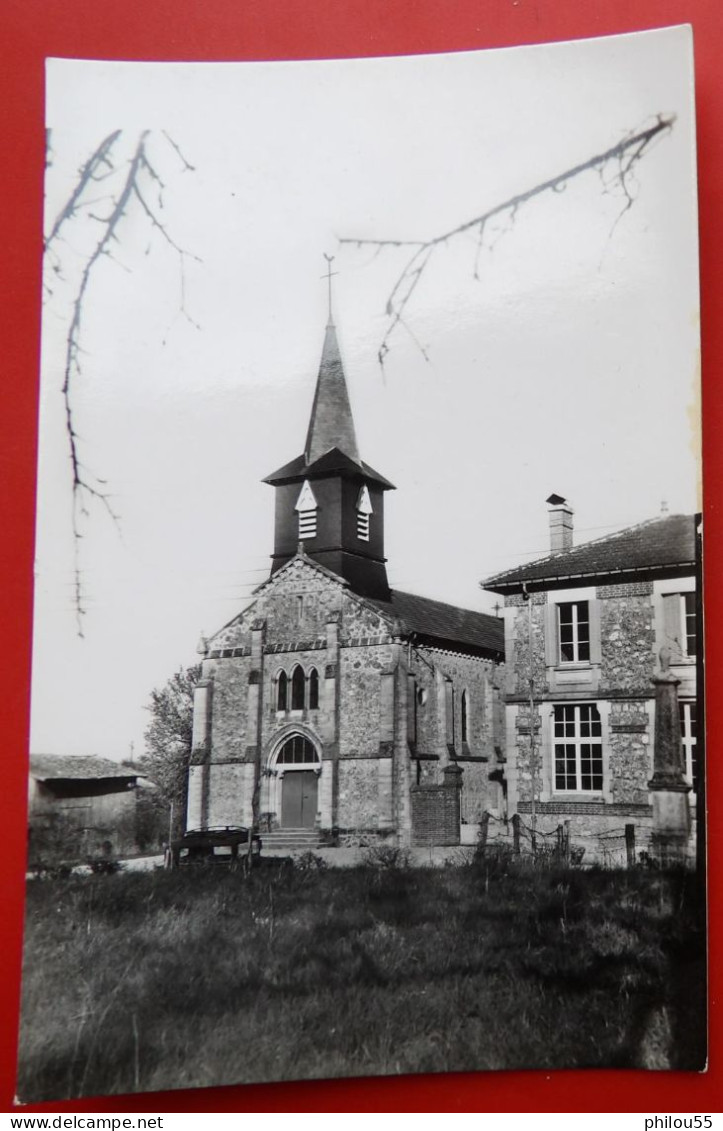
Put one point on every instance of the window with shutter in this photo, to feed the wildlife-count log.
(306, 508)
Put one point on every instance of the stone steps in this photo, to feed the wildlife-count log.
(299, 840)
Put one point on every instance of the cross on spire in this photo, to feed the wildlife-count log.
(328, 276)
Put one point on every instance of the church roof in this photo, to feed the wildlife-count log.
(447, 624)
(660, 545)
(331, 424)
(55, 767)
(333, 461)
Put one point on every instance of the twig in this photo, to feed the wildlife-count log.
(87, 487)
(626, 154)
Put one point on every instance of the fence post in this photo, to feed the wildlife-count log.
(630, 845)
(516, 834)
(483, 831)
(566, 841)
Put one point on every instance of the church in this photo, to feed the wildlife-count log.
(332, 703)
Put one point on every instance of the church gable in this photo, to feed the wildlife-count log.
(233, 636)
(298, 603)
(362, 620)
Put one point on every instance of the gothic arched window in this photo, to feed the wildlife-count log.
(298, 688)
(281, 691)
(296, 751)
(313, 689)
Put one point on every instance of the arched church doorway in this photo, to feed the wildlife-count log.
(298, 765)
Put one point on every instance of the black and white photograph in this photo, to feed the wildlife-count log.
(367, 720)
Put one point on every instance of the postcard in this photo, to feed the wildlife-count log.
(367, 727)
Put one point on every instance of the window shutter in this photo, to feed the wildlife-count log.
(552, 651)
(595, 647)
(673, 626)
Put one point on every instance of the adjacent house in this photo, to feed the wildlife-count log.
(79, 808)
(333, 704)
(587, 629)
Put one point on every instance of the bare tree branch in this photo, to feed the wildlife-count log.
(88, 487)
(624, 157)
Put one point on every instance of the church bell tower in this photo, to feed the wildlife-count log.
(328, 498)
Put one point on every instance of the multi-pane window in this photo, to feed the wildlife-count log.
(689, 624)
(297, 751)
(577, 744)
(688, 735)
(574, 632)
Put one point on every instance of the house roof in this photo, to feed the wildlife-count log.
(55, 767)
(446, 623)
(660, 546)
(330, 462)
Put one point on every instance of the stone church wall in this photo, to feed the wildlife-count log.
(359, 793)
(360, 722)
(364, 722)
(228, 709)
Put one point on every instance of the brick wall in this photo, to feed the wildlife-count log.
(435, 814)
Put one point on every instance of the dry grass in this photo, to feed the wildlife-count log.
(143, 982)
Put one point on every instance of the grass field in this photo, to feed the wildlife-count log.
(162, 980)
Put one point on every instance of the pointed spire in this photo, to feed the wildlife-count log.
(331, 424)
(329, 275)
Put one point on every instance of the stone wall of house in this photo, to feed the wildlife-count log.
(630, 751)
(522, 751)
(627, 643)
(517, 641)
(627, 664)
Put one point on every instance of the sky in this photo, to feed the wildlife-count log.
(562, 356)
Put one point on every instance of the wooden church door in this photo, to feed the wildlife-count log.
(299, 799)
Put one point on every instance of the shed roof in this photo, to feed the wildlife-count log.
(56, 767)
(661, 545)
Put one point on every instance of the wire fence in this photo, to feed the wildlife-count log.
(619, 846)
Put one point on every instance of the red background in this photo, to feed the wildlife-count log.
(292, 29)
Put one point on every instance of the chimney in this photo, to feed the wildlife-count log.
(560, 523)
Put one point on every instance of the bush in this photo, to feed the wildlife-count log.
(309, 862)
(105, 867)
(386, 856)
